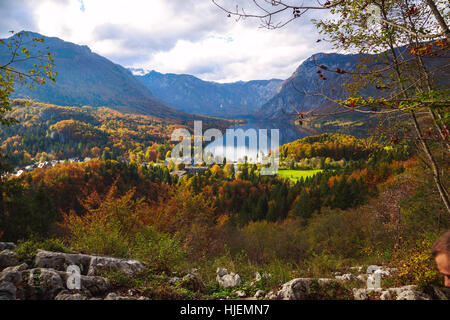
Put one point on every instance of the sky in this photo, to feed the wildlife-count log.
(170, 36)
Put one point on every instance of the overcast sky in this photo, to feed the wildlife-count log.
(169, 36)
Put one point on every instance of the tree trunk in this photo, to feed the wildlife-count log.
(439, 18)
(434, 168)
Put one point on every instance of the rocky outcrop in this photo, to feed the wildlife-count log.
(8, 258)
(7, 246)
(401, 293)
(227, 280)
(49, 277)
(42, 284)
(7, 291)
(52, 275)
(99, 264)
(304, 288)
(60, 261)
(88, 264)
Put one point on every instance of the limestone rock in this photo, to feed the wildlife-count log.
(42, 284)
(15, 277)
(101, 264)
(7, 246)
(60, 261)
(259, 294)
(386, 295)
(412, 295)
(7, 291)
(8, 258)
(20, 267)
(360, 294)
(301, 288)
(221, 272)
(95, 285)
(227, 280)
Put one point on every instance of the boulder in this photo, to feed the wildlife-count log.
(386, 295)
(227, 280)
(89, 265)
(303, 288)
(60, 261)
(20, 267)
(259, 294)
(15, 277)
(42, 284)
(412, 295)
(360, 294)
(100, 264)
(7, 246)
(7, 291)
(221, 272)
(95, 285)
(8, 258)
(402, 293)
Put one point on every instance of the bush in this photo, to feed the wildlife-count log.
(416, 265)
(160, 251)
(27, 250)
(108, 227)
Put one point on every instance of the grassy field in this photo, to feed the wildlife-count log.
(294, 175)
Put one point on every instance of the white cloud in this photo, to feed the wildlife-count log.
(176, 36)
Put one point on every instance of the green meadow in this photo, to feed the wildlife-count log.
(295, 175)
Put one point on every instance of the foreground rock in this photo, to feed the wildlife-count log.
(227, 280)
(402, 293)
(8, 258)
(309, 288)
(89, 265)
(49, 278)
(7, 246)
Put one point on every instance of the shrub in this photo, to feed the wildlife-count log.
(417, 265)
(109, 225)
(27, 250)
(160, 251)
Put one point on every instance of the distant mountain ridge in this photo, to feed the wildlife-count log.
(298, 91)
(86, 78)
(306, 78)
(191, 94)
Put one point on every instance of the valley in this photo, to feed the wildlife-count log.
(137, 164)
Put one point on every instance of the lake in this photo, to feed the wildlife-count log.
(251, 148)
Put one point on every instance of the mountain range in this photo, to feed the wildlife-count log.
(190, 94)
(298, 91)
(86, 78)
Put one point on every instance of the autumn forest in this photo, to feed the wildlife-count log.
(362, 181)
